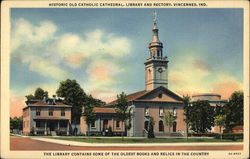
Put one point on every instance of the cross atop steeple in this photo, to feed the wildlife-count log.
(155, 41)
(155, 17)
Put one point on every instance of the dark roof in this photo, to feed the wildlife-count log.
(104, 110)
(238, 127)
(136, 96)
(206, 94)
(41, 103)
(50, 118)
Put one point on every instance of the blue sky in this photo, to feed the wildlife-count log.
(104, 49)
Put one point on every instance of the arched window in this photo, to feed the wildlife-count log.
(161, 126)
(146, 125)
(174, 126)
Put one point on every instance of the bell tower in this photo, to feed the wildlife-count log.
(156, 65)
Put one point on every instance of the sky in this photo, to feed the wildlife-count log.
(105, 49)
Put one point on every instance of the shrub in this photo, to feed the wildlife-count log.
(32, 132)
(151, 128)
(61, 132)
(202, 134)
(230, 136)
(109, 131)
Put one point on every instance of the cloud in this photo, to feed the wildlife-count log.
(193, 70)
(77, 49)
(199, 64)
(190, 76)
(104, 95)
(49, 54)
(46, 68)
(197, 76)
(225, 85)
(26, 34)
(74, 61)
(102, 74)
(28, 45)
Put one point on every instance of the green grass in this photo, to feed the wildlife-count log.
(15, 135)
(141, 140)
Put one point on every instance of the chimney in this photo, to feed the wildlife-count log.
(44, 99)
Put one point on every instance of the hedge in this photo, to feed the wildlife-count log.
(229, 136)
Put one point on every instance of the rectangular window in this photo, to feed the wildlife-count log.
(62, 112)
(174, 112)
(146, 111)
(161, 111)
(117, 124)
(51, 112)
(38, 111)
(93, 124)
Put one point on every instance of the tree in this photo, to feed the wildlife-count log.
(89, 115)
(219, 120)
(234, 110)
(30, 97)
(169, 120)
(151, 128)
(186, 99)
(73, 95)
(16, 123)
(201, 116)
(94, 101)
(39, 94)
(219, 110)
(122, 109)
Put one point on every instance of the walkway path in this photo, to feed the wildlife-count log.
(36, 143)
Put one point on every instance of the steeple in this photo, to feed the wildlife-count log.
(155, 28)
(155, 46)
(156, 65)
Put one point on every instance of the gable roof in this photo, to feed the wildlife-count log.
(131, 97)
(142, 96)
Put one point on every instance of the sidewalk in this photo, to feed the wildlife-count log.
(76, 143)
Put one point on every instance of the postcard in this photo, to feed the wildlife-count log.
(125, 79)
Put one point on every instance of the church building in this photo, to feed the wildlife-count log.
(155, 101)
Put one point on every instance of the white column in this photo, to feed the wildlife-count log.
(113, 124)
(45, 133)
(67, 128)
(58, 125)
(35, 129)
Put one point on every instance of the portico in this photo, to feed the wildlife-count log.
(52, 126)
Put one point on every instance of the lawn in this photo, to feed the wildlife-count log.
(141, 140)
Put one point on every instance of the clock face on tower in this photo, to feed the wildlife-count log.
(160, 70)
